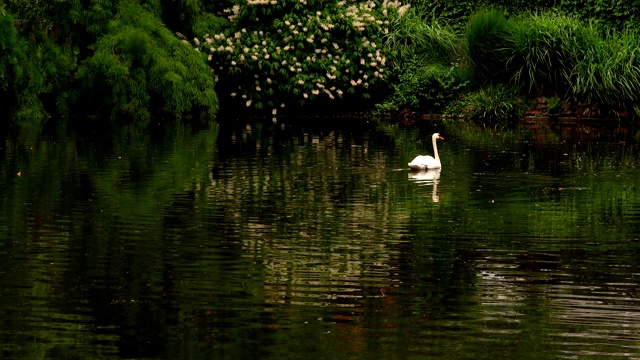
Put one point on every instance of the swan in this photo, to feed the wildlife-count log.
(422, 162)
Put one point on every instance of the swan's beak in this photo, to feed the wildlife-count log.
(440, 138)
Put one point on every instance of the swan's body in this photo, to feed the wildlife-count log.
(422, 162)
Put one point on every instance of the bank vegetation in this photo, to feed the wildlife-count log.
(134, 61)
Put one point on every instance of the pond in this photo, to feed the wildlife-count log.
(313, 240)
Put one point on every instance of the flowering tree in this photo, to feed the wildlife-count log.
(279, 53)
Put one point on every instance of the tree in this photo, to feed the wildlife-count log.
(299, 53)
(139, 67)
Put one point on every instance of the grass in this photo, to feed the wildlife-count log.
(492, 104)
(554, 55)
(544, 51)
(490, 46)
(429, 65)
(608, 71)
(413, 39)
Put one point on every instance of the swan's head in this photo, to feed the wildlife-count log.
(437, 136)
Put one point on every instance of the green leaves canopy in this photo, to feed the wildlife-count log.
(139, 65)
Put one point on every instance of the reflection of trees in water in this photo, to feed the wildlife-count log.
(319, 217)
(86, 231)
(323, 221)
(553, 295)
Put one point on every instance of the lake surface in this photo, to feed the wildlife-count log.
(278, 241)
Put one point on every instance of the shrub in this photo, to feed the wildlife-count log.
(493, 104)
(139, 66)
(607, 70)
(294, 53)
(425, 89)
(545, 51)
(13, 77)
(427, 65)
(412, 39)
(490, 46)
(553, 55)
(34, 74)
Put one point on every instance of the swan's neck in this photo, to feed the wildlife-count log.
(435, 150)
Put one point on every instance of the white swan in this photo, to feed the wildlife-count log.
(422, 162)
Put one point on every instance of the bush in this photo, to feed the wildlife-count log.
(427, 65)
(552, 55)
(13, 77)
(544, 52)
(294, 53)
(140, 67)
(412, 39)
(425, 89)
(490, 46)
(607, 71)
(493, 104)
(34, 74)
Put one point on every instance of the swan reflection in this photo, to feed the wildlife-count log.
(427, 177)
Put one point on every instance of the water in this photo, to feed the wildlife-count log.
(314, 241)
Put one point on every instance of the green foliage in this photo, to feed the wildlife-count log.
(329, 55)
(13, 79)
(607, 71)
(412, 39)
(34, 74)
(427, 65)
(490, 46)
(139, 65)
(294, 53)
(493, 104)
(454, 13)
(554, 106)
(131, 64)
(546, 48)
(425, 89)
(616, 14)
(208, 23)
(186, 15)
(552, 54)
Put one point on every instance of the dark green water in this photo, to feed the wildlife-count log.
(276, 241)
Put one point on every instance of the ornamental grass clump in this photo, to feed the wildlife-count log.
(607, 71)
(546, 50)
(494, 104)
(562, 55)
(412, 39)
(554, 55)
(285, 53)
(490, 46)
